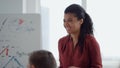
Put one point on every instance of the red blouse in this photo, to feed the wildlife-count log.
(69, 56)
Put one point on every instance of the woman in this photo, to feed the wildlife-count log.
(42, 59)
(79, 49)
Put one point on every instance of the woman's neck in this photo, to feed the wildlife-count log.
(75, 38)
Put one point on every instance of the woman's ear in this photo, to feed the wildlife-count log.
(81, 21)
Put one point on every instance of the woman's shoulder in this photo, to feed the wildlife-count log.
(91, 41)
(63, 38)
(62, 41)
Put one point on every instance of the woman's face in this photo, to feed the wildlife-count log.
(71, 23)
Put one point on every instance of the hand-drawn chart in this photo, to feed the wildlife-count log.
(19, 35)
(10, 57)
(16, 25)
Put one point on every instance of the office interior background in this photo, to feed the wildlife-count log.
(104, 13)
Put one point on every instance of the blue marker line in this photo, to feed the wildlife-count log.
(8, 62)
(14, 60)
(3, 23)
(18, 63)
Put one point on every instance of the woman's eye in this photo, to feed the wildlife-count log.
(69, 20)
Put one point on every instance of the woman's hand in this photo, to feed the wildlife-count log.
(73, 67)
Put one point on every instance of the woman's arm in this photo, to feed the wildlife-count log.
(94, 54)
(59, 50)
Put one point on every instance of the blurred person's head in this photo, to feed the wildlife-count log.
(42, 59)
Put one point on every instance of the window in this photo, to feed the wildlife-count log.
(105, 15)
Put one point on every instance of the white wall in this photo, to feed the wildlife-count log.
(19, 6)
(10, 6)
(45, 27)
(31, 6)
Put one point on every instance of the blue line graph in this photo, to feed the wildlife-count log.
(16, 60)
(13, 57)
